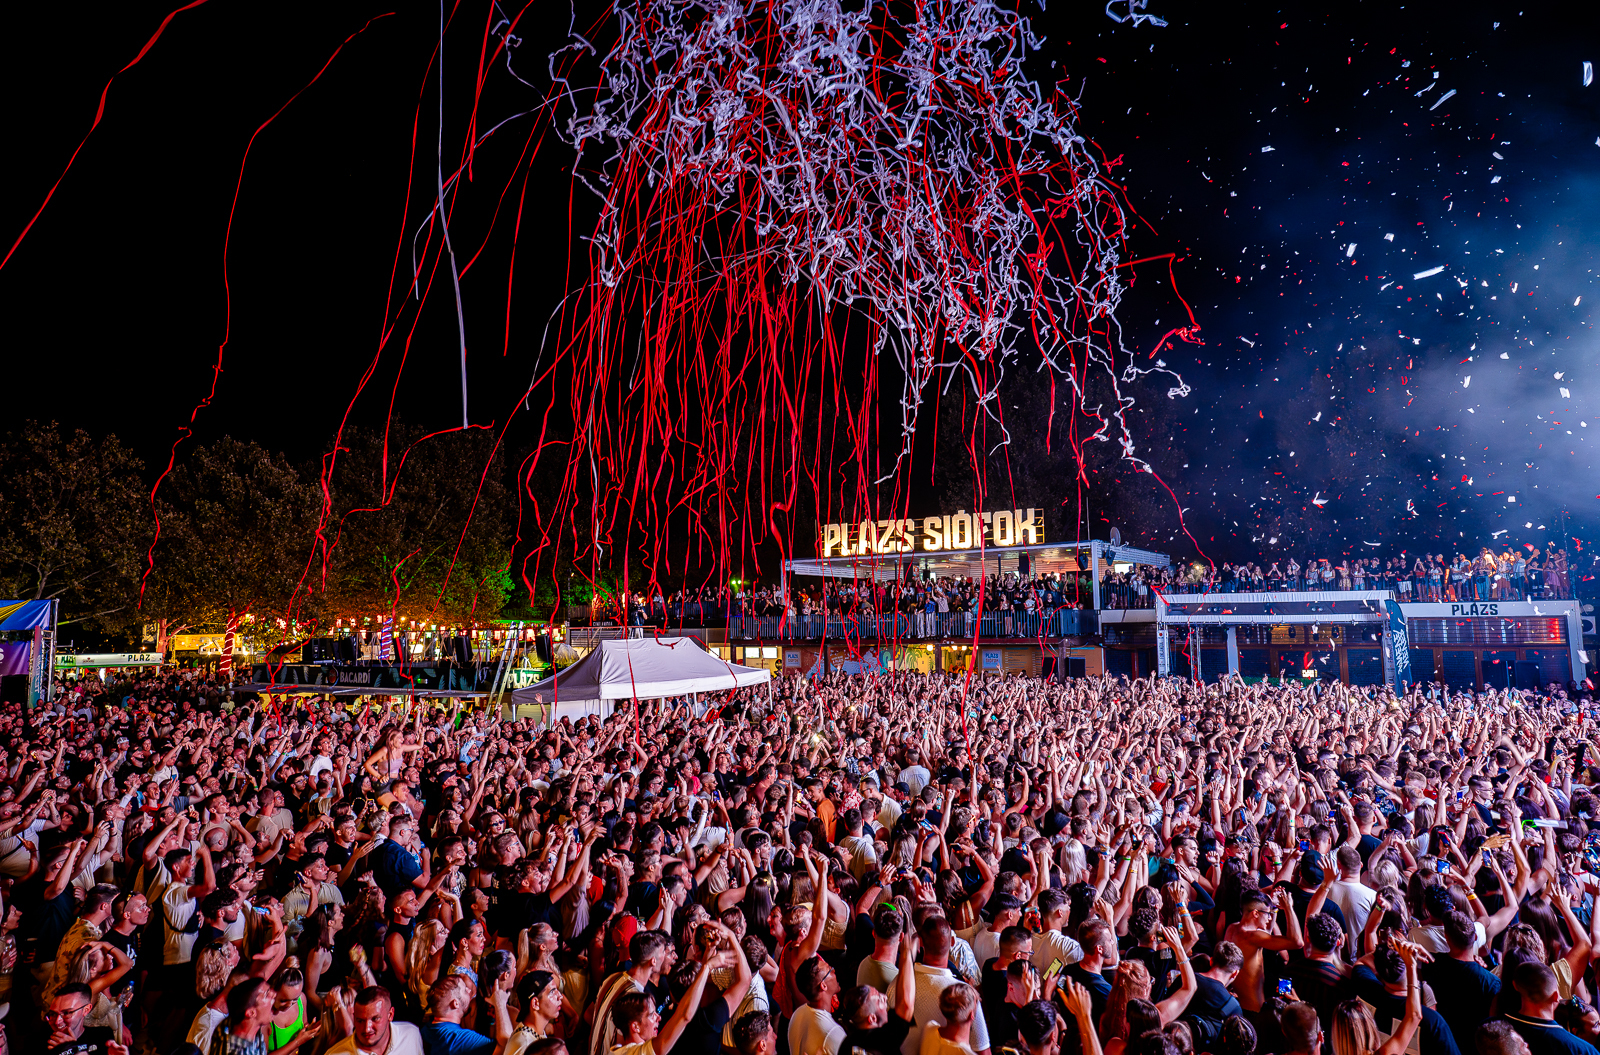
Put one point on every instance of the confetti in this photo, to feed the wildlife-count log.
(1588, 73)
(1428, 273)
(1441, 99)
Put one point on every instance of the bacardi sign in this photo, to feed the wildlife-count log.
(954, 531)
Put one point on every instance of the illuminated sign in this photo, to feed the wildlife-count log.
(956, 531)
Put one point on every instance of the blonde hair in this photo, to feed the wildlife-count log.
(1354, 1031)
(418, 953)
(957, 1003)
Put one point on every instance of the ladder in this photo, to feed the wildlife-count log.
(508, 654)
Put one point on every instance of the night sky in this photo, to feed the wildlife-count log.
(1384, 213)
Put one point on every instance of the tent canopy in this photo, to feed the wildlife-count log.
(643, 668)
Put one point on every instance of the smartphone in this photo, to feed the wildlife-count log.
(1487, 857)
(1441, 867)
(1305, 846)
(1284, 986)
(1053, 970)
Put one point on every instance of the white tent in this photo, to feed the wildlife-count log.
(644, 668)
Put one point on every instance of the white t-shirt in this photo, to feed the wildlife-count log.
(916, 778)
(404, 1039)
(177, 909)
(863, 855)
(204, 1026)
(1053, 945)
(812, 1032)
(931, 981)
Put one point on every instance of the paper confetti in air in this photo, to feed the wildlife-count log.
(1588, 74)
(1319, 501)
(1351, 251)
(1466, 382)
(1388, 238)
(1566, 393)
(1428, 273)
(1268, 150)
(1440, 101)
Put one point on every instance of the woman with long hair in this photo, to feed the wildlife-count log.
(1355, 1032)
(467, 941)
(423, 955)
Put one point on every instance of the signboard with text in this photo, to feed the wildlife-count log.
(109, 659)
(953, 532)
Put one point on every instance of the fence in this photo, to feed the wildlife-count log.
(954, 626)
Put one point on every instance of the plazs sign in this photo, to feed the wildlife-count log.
(955, 531)
(1483, 608)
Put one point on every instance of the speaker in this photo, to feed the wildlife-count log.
(14, 688)
(1022, 564)
(462, 646)
(345, 649)
(1047, 668)
(541, 648)
(319, 650)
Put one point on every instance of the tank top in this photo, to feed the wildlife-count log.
(279, 1036)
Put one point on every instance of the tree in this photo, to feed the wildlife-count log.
(236, 529)
(418, 527)
(75, 524)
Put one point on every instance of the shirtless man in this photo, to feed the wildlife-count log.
(1254, 936)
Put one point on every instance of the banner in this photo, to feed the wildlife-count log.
(109, 659)
(24, 615)
(958, 531)
(990, 658)
(1398, 644)
(14, 657)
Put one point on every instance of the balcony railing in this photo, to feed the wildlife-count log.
(934, 626)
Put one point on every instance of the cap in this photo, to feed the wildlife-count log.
(902, 787)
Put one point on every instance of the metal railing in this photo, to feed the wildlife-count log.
(933, 626)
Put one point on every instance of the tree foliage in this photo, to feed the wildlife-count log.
(74, 524)
(398, 536)
(236, 526)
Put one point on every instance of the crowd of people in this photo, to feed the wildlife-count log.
(899, 865)
(1524, 574)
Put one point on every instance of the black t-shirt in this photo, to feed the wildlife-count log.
(992, 995)
(1099, 988)
(1161, 965)
(1211, 1005)
(44, 923)
(518, 911)
(93, 1042)
(882, 1040)
(129, 944)
(337, 856)
(703, 1032)
(1434, 1036)
(1464, 995)
(1544, 1037)
(1302, 901)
